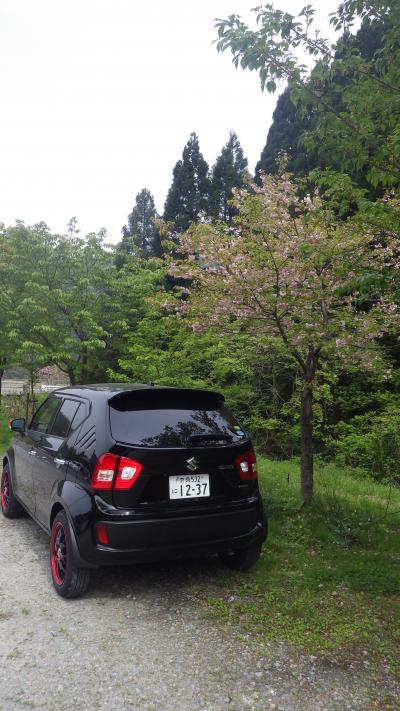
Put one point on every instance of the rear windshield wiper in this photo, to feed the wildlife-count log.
(214, 437)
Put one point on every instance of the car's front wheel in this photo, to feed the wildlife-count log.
(242, 559)
(68, 579)
(10, 507)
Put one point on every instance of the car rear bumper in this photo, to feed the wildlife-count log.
(159, 538)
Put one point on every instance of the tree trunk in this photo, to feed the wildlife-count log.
(84, 369)
(1, 381)
(32, 390)
(307, 460)
(71, 376)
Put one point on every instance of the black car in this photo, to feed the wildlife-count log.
(126, 473)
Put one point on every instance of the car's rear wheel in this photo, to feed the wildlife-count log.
(241, 560)
(9, 505)
(68, 579)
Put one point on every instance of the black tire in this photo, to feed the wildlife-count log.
(68, 580)
(10, 507)
(241, 560)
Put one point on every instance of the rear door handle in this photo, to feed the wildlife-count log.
(59, 462)
(33, 452)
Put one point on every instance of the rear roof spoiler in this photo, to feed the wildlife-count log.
(171, 394)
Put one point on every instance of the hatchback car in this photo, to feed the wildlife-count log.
(123, 473)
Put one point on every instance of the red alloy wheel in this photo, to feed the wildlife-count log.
(58, 553)
(5, 490)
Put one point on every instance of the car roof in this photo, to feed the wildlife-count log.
(107, 391)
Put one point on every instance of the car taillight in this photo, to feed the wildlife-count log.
(127, 473)
(246, 465)
(104, 472)
(112, 472)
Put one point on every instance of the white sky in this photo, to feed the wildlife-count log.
(98, 98)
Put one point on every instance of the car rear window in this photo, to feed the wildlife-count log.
(176, 423)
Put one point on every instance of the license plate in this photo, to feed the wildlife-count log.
(189, 486)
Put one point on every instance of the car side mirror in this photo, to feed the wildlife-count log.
(18, 425)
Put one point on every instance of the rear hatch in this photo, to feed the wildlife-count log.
(187, 443)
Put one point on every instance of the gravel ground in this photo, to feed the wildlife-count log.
(139, 641)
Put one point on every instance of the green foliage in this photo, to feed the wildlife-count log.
(372, 441)
(227, 173)
(57, 297)
(5, 434)
(343, 115)
(66, 303)
(188, 194)
(140, 236)
(287, 127)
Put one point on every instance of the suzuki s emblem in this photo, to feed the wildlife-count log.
(192, 464)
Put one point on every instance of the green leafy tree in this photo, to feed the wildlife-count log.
(352, 93)
(130, 289)
(62, 313)
(188, 194)
(289, 270)
(227, 173)
(293, 122)
(140, 235)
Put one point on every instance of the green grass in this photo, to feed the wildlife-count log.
(5, 434)
(329, 577)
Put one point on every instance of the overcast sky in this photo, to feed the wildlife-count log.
(98, 98)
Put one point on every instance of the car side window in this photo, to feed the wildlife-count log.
(44, 415)
(80, 415)
(64, 418)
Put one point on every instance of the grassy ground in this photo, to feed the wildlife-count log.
(328, 579)
(5, 434)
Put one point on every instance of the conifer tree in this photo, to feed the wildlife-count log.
(140, 235)
(288, 125)
(227, 173)
(188, 194)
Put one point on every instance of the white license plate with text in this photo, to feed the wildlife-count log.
(189, 486)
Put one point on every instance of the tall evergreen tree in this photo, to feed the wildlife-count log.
(227, 173)
(288, 125)
(140, 235)
(188, 194)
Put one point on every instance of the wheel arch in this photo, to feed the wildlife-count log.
(8, 458)
(57, 507)
(79, 561)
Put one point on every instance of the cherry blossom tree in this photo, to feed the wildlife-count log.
(288, 268)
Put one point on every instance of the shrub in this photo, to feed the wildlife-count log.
(372, 441)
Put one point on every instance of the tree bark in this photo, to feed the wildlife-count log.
(71, 375)
(306, 427)
(84, 374)
(307, 458)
